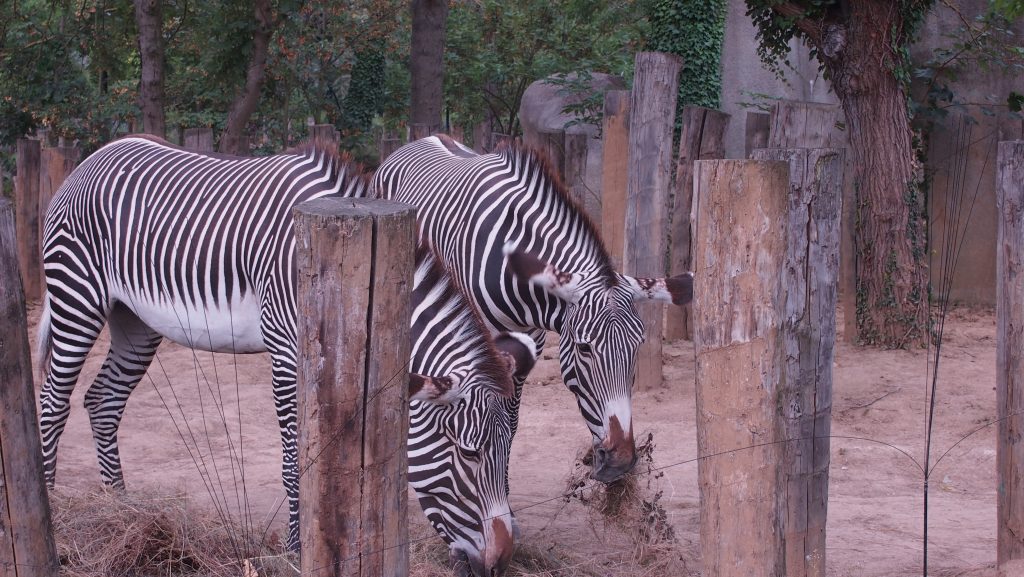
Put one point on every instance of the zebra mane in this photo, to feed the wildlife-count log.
(530, 160)
(467, 326)
(354, 180)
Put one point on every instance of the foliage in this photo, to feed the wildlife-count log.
(693, 29)
(496, 49)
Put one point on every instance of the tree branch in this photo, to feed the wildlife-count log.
(803, 23)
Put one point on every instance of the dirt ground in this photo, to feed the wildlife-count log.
(173, 429)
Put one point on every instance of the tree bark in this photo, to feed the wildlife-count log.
(856, 46)
(426, 64)
(232, 140)
(149, 19)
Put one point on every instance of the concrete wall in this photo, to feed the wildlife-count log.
(974, 275)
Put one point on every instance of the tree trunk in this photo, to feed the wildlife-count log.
(426, 64)
(149, 19)
(891, 272)
(232, 140)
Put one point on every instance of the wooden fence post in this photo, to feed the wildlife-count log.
(1009, 359)
(324, 133)
(574, 173)
(804, 402)
(756, 135)
(652, 113)
(418, 131)
(26, 537)
(614, 172)
(802, 124)
(388, 144)
(354, 263)
(702, 138)
(198, 139)
(737, 310)
(55, 166)
(26, 194)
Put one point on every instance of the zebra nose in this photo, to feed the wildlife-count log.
(500, 545)
(615, 455)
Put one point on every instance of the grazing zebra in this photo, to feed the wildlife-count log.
(159, 242)
(532, 261)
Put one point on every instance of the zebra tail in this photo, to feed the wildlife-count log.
(44, 344)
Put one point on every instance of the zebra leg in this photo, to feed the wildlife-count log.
(132, 347)
(73, 329)
(283, 362)
(512, 405)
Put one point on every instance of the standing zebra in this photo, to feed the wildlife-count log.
(159, 242)
(504, 224)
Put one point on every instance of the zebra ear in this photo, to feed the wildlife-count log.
(519, 352)
(677, 290)
(440, 390)
(524, 265)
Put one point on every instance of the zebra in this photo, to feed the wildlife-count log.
(504, 224)
(158, 242)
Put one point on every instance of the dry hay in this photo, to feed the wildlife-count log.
(103, 533)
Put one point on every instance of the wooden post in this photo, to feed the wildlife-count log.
(198, 139)
(804, 401)
(497, 139)
(614, 172)
(702, 138)
(354, 263)
(802, 124)
(482, 137)
(574, 173)
(324, 133)
(737, 309)
(26, 537)
(1009, 357)
(757, 128)
(652, 112)
(26, 194)
(388, 144)
(552, 144)
(418, 131)
(55, 165)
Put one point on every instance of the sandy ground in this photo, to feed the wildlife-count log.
(173, 430)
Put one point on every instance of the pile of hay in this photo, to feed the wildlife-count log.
(102, 532)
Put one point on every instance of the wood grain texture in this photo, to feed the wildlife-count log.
(26, 195)
(758, 125)
(811, 281)
(198, 139)
(26, 538)
(802, 124)
(739, 254)
(702, 138)
(1009, 361)
(354, 262)
(652, 120)
(615, 172)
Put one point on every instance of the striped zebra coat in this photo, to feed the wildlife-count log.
(158, 242)
(532, 261)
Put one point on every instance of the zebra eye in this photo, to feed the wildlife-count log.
(584, 348)
(471, 454)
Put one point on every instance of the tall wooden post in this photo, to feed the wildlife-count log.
(1009, 357)
(354, 264)
(198, 139)
(574, 173)
(804, 401)
(388, 144)
(756, 136)
(652, 112)
(702, 138)
(802, 124)
(418, 131)
(26, 194)
(738, 319)
(55, 165)
(26, 537)
(324, 133)
(614, 172)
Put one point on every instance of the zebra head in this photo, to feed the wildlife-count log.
(460, 434)
(600, 334)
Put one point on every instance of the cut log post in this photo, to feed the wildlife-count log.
(26, 537)
(198, 139)
(324, 133)
(737, 308)
(757, 128)
(354, 264)
(388, 145)
(26, 194)
(1009, 357)
(418, 131)
(574, 174)
(702, 138)
(55, 166)
(652, 112)
(802, 124)
(482, 137)
(804, 402)
(552, 144)
(614, 172)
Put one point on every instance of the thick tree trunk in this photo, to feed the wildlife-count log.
(232, 140)
(891, 272)
(149, 19)
(426, 63)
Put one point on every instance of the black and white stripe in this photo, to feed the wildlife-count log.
(532, 261)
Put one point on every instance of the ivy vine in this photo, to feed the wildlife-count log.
(693, 29)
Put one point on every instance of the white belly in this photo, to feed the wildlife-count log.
(234, 328)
